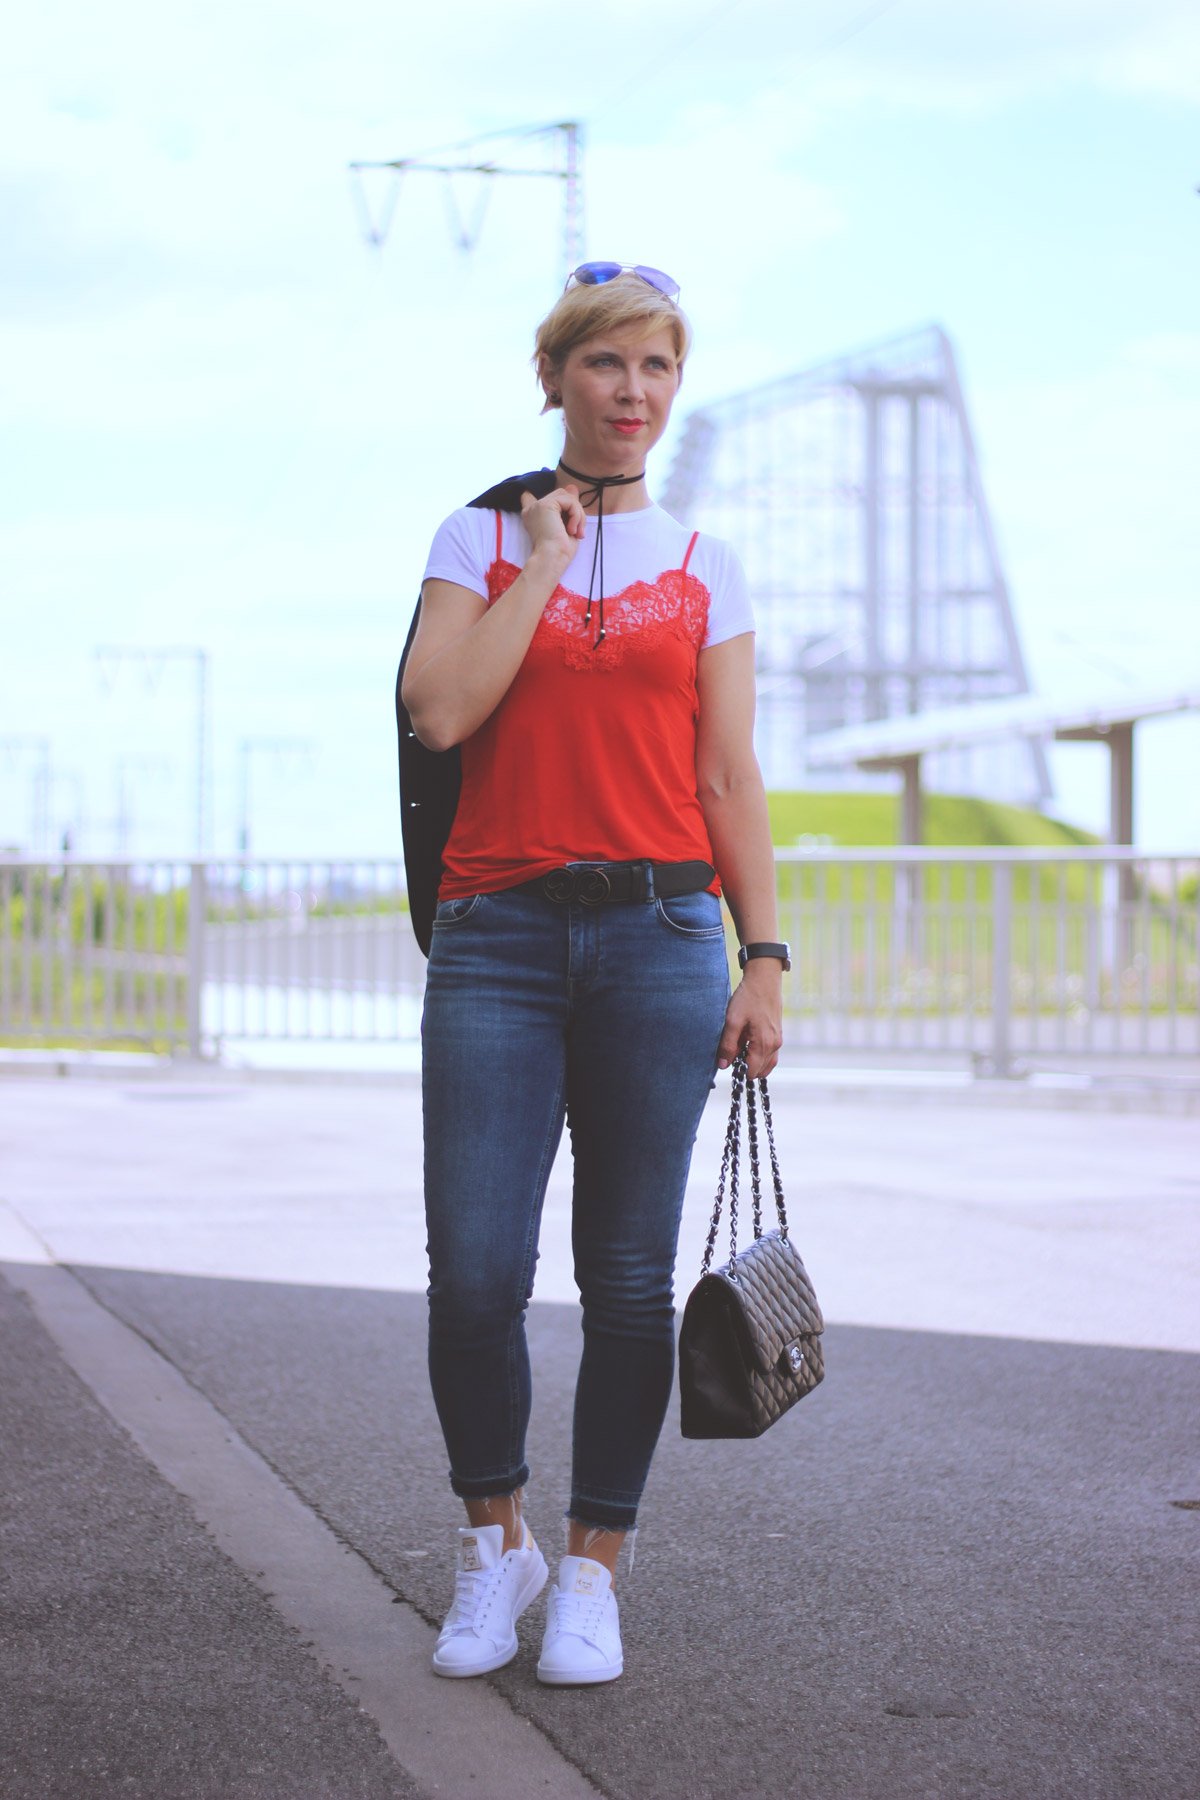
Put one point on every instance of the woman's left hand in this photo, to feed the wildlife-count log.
(754, 1019)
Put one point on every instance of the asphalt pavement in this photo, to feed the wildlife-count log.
(137, 1659)
(965, 1566)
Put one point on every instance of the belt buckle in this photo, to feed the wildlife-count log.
(559, 885)
(593, 886)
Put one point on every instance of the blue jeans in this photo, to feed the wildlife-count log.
(610, 1016)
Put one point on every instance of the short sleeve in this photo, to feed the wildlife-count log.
(730, 612)
(462, 549)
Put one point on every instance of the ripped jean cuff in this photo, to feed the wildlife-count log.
(489, 1487)
(609, 1515)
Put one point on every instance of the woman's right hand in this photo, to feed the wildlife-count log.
(466, 653)
(555, 522)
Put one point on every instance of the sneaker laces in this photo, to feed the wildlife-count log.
(580, 1615)
(473, 1591)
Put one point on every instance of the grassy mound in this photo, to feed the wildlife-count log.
(950, 821)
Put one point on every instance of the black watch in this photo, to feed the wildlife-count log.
(747, 952)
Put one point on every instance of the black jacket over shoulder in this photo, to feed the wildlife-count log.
(431, 780)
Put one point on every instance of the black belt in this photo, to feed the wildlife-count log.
(595, 883)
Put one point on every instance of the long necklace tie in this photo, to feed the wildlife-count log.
(593, 489)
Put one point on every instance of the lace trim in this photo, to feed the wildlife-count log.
(641, 618)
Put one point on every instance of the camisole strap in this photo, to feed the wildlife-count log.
(499, 536)
(687, 555)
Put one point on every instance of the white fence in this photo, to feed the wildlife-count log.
(996, 956)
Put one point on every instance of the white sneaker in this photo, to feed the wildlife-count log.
(492, 1588)
(583, 1627)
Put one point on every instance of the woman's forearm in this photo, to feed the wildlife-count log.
(739, 830)
(455, 689)
(735, 811)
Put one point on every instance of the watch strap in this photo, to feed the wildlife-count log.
(748, 952)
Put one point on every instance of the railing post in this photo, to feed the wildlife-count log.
(1002, 884)
(197, 908)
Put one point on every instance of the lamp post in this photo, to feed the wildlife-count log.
(152, 659)
(40, 821)
(275, 746)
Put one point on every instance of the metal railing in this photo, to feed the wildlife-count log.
(189, 956)
(996, 956)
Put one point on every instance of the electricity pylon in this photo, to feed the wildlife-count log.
(564, 164)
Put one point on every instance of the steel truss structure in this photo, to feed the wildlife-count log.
(853, 495)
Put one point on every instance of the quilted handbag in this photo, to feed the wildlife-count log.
(750, 1343)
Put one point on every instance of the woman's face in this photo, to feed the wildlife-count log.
(616, 392)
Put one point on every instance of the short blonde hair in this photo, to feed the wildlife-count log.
(588, 309)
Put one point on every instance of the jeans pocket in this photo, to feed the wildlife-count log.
(456, 912)
(695, 915)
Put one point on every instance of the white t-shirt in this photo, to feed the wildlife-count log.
(638, 546)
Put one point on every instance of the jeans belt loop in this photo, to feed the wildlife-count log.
(650, 894)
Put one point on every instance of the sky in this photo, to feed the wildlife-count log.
(229, 422)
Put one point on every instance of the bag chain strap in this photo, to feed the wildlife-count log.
(752, 1134)
(730, 1162)
(729, 1165)
(776, 1177)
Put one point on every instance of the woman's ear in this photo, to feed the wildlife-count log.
(547, 376)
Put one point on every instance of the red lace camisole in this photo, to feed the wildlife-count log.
(591, 754)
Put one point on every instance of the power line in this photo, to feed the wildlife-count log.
(676, 49)
(859, 23)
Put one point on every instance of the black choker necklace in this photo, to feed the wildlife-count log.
(594, 485)
(593, 490)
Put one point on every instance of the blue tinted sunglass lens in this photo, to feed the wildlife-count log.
(658, 280)
(596, 272)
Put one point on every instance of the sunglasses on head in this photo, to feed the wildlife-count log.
(595, 274)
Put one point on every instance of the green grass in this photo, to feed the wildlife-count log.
(63, 1040)
(141, 1009)
(950, 821)
(852, 924)
(846, 915)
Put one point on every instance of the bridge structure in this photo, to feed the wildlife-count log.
(852, 492)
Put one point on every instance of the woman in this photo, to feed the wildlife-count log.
(595, 662)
